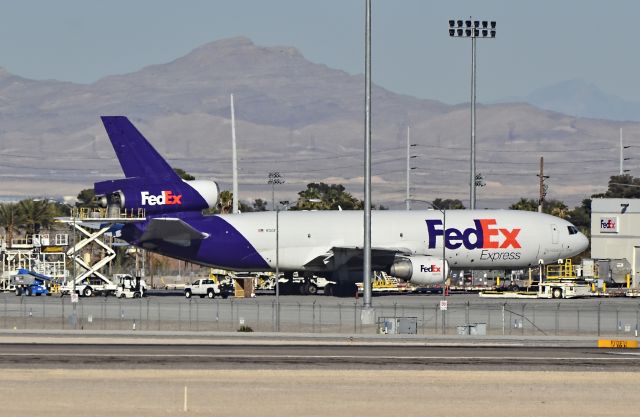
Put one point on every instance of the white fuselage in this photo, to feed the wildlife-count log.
(482, 239)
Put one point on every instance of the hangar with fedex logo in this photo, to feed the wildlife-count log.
(615, 232)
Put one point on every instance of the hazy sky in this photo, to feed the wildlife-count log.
(538, 42)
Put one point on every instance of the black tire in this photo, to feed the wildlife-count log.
(87, 292)
(225, 296)
(28, 292)
(311, 288)
(187, 293)
(18, 291)
(122, 295)
(328, 290)
(556, 293)
(211, 294)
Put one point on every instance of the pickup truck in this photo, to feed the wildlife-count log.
(204, 288)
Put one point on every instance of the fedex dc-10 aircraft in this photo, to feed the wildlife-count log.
(405, 244)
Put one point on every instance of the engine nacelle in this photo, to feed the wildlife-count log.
(167, 197)
(420, 270)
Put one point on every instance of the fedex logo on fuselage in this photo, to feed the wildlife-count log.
(165, 198)
(485, 235)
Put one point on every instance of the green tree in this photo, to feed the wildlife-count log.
(36, 214)
(525, 204)
(259, 205)
(11, 219)
(321, 196)
(551, 206)
(621, 186)
(183, 174)
(448, 204)
(86, 198)
(581, 217)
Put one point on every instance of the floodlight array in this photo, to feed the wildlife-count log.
(472, 28)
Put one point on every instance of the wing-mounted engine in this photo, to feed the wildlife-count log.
(420, 270)
(163, 197)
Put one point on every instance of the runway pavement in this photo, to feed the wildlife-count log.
(119, 351)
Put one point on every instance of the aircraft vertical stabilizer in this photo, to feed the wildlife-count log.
(136, 155)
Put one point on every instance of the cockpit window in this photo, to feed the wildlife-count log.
(572, 230)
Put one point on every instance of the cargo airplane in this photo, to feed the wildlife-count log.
(405, 244)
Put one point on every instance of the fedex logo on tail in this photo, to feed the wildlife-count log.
(485, 235)
(165, 198)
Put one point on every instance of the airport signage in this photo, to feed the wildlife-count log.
(608, 225)
(443, 305)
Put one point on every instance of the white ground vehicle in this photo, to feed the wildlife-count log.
(130, 287)
(89, 286)
(204, 287)
(552, 289)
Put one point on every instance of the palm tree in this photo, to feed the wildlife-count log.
(10, 219)
(36, 214)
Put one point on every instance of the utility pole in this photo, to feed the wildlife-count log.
(622, 158)
(543, 187)
(409, 157)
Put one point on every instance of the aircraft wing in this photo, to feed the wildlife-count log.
(171, 230)
(348, 256)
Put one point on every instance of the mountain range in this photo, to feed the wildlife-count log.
(297, 117)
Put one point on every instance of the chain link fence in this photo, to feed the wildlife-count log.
(319, 315)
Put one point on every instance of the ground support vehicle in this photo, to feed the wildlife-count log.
(31, 283)
(557, 289)
(204, 287)
(130, 287)
(89, 286)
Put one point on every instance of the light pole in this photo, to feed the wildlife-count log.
(445, 271)
(73, 280)
(367, 314)
(472, 29)
(276, 178)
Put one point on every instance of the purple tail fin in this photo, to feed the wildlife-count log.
(136, 155)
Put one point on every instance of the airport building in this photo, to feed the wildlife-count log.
(615, 232)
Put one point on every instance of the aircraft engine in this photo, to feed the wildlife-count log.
(157, 197)
(420, 270)
(207, 189)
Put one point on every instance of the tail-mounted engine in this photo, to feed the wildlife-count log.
(135, 193)
(420, 270)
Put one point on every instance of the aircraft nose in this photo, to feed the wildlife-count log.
(583, 243)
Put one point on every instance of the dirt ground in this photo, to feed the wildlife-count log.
(141, 393)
